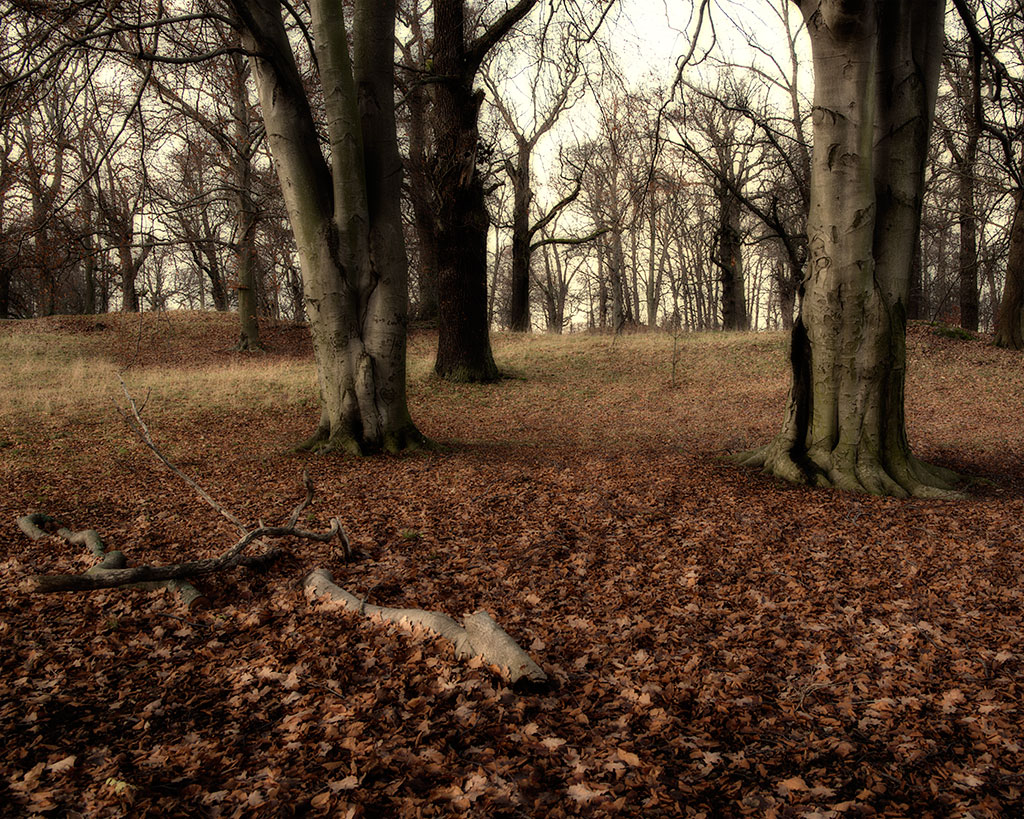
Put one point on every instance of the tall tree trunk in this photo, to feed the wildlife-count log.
(617, 284)
(519, 305)
(968, 256)
(463, 346)
(1010, 324)
(249, 327)
(876, 74)
(730, 262)
(245, 239)
(89, 257)
(129, 295)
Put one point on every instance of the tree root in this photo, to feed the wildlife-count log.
(325, 442)
(905, 477)
(110, 562)
(479, 634)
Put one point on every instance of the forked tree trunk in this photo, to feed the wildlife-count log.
(346, 219)
(876, 73)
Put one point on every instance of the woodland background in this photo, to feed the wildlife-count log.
(716, 642)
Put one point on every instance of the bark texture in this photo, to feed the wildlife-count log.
(730, 261)
(876, 73)
(1010, 324)
(461, 220)
(344, 214)
(247, 214)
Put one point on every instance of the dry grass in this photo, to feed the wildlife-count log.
(65, 371)
(726, 393)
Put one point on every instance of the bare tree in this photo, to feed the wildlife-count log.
(345, 213)
(446, 180)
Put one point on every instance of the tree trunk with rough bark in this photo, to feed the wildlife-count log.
(346, 216)
(245, 238)
(876, 74)
(730, 262)
(462, 221)
(519, 307)
(1010, 324)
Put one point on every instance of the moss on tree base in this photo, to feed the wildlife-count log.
(404, 440)
(901, 476)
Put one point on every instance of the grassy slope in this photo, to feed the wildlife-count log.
(733, 633)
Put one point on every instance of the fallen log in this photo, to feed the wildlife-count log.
(479, 634)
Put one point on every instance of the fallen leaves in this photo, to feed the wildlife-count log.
(718, 643)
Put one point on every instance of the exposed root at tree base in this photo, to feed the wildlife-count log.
(406, 440)
(470, 375)
(905, 477)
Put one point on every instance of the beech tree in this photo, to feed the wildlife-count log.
(876, 67)
(344, 211)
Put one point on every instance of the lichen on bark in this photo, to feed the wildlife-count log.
(876, 74)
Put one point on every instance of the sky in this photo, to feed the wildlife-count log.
(648, 37)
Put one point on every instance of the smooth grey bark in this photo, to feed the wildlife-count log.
(345, 216)
(876, 74)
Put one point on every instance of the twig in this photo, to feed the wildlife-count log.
(115, 577)
(138, 426)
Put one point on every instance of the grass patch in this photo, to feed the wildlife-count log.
(959, 333)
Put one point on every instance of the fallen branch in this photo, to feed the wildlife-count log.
(110, 578)
(479, 634)
(138, 426)
(111, 562)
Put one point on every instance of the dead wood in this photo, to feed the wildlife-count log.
(116, 577)
(479, 634)
(175, 576)
(111, 562)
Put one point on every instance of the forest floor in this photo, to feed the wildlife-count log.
(718, 643)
